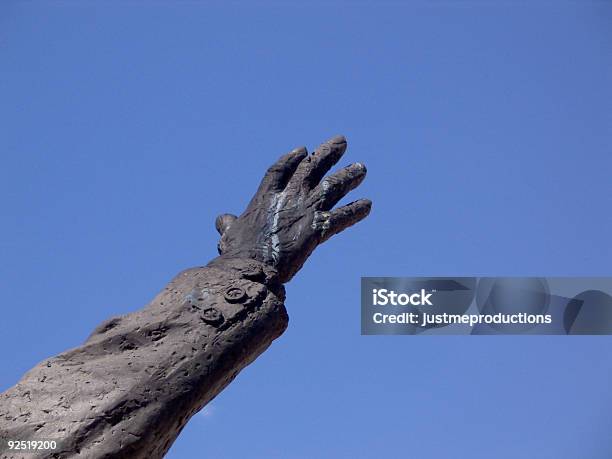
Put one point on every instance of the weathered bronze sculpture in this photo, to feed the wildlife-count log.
(132, 386)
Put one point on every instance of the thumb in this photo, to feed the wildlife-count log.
(223, 222)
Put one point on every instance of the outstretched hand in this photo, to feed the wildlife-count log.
(291, 212)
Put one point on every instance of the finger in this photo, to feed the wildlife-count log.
(281, 171)
(312, 169)
(333, 188)
(331, 223)
(223, 222)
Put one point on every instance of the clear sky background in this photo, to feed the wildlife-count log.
(125, 128)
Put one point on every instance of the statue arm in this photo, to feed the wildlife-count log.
(132, 386)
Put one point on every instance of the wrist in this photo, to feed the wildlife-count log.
(251, 270)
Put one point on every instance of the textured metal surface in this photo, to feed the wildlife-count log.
(132, 386)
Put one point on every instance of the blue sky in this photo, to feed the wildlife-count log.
(125, 128)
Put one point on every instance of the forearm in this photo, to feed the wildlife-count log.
(133, 385)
